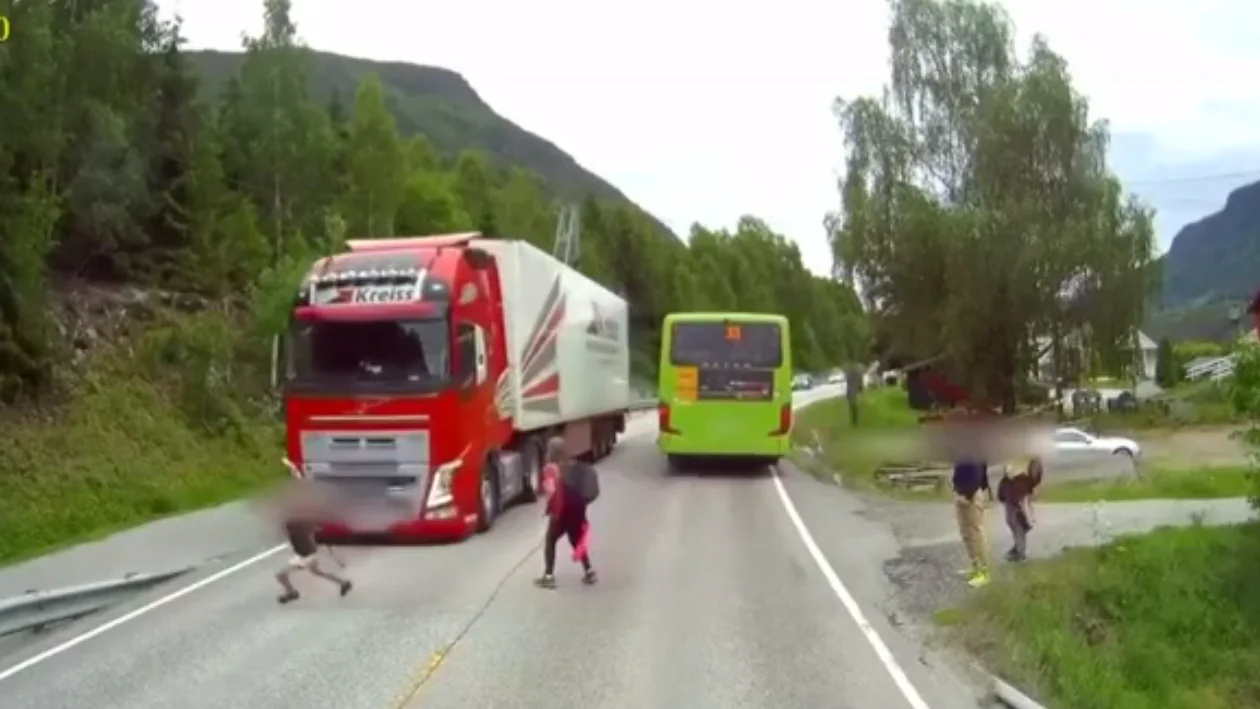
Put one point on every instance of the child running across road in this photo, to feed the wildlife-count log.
(299, 511)
(570, 486)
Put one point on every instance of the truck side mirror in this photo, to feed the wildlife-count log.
(478, 258)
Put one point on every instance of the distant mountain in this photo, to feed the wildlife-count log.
(443, 106)
(1211, 269)
(1218, 257)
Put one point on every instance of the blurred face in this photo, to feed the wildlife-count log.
(986, 439)
(303, 500)
(556, 450)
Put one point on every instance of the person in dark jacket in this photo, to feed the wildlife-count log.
(566, 511)
(971, 491)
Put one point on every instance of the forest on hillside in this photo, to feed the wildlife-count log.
(116, 166)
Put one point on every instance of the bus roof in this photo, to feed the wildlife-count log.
(723, 317)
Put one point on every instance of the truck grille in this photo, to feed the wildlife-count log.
(366, 452)
(383, 474)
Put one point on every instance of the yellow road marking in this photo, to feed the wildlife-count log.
(419, 677)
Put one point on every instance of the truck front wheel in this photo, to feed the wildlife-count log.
(488, 494)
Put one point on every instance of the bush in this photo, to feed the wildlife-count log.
(1245, 398)
(157, 424)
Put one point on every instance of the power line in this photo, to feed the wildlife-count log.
(1196, 178)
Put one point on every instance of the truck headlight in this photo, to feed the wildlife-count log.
(440, 490)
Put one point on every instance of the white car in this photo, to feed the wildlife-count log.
(1074, 446)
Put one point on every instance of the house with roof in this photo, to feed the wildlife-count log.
(1146, 357)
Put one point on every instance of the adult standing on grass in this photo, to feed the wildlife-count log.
(1015, 492)
(971, 489)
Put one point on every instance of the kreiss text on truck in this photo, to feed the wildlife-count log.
(425, 375)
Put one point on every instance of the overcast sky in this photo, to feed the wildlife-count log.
(702, 110)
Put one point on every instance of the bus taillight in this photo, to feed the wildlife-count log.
(662, 419)
(785, 421)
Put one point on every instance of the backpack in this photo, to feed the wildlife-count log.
(582, 479)
(1004, 488)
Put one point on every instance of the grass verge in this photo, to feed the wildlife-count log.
(1159, 621)
(154, 426)
(1189, 404)
(886, 424)
(1188, 484)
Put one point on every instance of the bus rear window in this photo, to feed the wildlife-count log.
(726, 344)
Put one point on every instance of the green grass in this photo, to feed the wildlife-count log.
(1200, 414)
(1159, 621)
(1198, 403)
(154, 427)
(1197, 483)
(887, 427)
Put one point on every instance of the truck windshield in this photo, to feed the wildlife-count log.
(409, 352)
(723, 344)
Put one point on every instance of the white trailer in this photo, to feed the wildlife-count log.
(568, 347)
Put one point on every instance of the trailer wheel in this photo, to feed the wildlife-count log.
(488, 496)
(531, 471)
(610, 439)
(603, 440)
(597, 443)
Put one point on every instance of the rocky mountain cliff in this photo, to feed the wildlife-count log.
(1211, 270)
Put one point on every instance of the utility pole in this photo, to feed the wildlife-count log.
(568, 235)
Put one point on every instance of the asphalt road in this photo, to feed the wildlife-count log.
(709, 597)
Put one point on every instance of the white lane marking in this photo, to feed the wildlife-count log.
(105, 627)
(833, 580)
(88, 635)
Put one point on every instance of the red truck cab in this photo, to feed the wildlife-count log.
(395, 353)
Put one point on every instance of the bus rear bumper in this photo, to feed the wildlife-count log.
(683, 445)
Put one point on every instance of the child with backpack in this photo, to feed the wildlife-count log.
(1015, 492)
(571, 486)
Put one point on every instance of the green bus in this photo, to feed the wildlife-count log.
(725, 387)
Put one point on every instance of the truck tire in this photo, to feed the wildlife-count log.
(488, 496)
(531, 471)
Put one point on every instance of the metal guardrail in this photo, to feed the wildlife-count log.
(1217, 368)
(1012, 697)
(35, 610)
